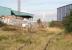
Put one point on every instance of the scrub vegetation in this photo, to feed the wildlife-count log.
(49, 38)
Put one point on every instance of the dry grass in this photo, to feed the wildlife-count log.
(20, 40)
(60, 43)
(54, 30)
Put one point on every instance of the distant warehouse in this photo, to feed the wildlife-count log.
(4, 11)
(9, 16)
(63, 11)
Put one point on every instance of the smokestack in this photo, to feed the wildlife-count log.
(19, 5)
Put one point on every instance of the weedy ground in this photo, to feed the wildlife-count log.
(43, 39)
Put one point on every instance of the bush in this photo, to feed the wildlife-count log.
(56, 24)
(67, 22)
(1, 24)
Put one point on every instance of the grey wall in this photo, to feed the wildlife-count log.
(63, 11)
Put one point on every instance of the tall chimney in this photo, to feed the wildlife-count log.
(19, 5)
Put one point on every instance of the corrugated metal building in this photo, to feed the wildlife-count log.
(4, 11)
(21, 14)
(63, 11)
(13, 17)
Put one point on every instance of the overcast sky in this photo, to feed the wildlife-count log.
(37, 7)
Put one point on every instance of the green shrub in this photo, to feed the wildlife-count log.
(56, 24)
(67, 22)
(1, 24)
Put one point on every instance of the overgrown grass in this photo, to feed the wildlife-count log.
(19, 40)
(59, 43)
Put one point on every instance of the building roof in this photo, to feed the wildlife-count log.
(21, 14)
(64, 6)
(4, 11)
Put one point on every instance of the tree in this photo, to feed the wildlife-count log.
(67, 22)
(40, 23)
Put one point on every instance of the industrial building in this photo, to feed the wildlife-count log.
(63, 11)
(12, 17)
(4, 11)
